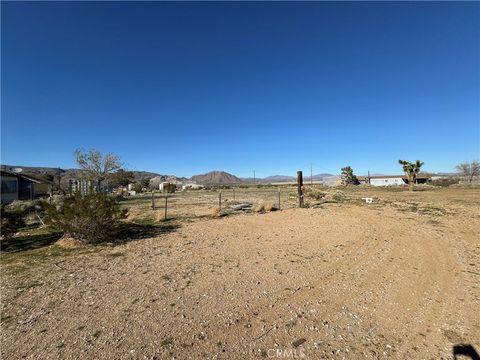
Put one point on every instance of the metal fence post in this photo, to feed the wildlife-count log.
(166, 206)
(279, 199)
(220, 200)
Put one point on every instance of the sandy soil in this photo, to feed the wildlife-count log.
(342, 281)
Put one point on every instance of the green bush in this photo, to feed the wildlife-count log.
(11, 221)
(93, 218)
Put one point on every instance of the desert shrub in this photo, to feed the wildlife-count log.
(169, 188)
(22, 206)
(11, 221)
(336, 196)
(93, 218)
(446, 181)
(25, 212)
(119, 197)
(314, 194)
(259, 209)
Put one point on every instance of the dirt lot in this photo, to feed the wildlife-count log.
(395, 279)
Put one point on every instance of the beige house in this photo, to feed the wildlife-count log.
(16, 186)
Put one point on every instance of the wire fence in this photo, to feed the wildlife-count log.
(190, 204)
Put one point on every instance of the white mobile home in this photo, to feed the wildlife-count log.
(390, 180)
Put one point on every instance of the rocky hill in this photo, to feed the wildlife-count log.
(216, 177)
(213, 177)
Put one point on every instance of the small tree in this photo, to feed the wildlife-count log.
(469, 169)
(411, 170)
(120, 178)
(95, 166)
(348, 178)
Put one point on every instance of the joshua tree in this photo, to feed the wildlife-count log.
(411, 171)
(469, 169)
(348, 177)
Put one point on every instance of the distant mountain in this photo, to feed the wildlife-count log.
(216, 177)
(285, 178)
(213, 177)
(319, 177)
(278, 178)
(269, 179)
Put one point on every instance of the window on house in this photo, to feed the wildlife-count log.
(9, 186)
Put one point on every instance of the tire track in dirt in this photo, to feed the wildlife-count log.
(352, 281)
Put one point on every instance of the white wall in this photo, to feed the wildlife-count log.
(387, 181)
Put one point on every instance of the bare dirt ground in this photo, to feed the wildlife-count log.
(345, 281)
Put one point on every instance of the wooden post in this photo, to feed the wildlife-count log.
(153, 200)
(300, 188)
(220, 201)
(279, 199)
(166, 206)
(233, 194)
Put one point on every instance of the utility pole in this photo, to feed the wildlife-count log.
(254, 176)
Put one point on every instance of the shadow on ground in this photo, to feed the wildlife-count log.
(465, 351)
(29, 242)
(138, 231)
(127, 232)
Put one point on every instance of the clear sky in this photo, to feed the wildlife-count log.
(185, 88)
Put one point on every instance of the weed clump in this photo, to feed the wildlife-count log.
(11, 221)
(259, 209)
(216, 213)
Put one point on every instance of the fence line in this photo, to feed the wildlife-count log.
(199, 203)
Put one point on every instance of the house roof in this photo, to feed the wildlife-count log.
(26, 177)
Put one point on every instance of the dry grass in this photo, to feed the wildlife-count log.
(159, 215)
(259, 209)
(216, 213)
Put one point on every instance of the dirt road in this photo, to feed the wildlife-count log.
(342, 282)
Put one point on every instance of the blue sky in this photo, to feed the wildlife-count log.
(185, 88)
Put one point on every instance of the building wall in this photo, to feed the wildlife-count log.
(387, 181)
(41, 189)
(9, 189)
